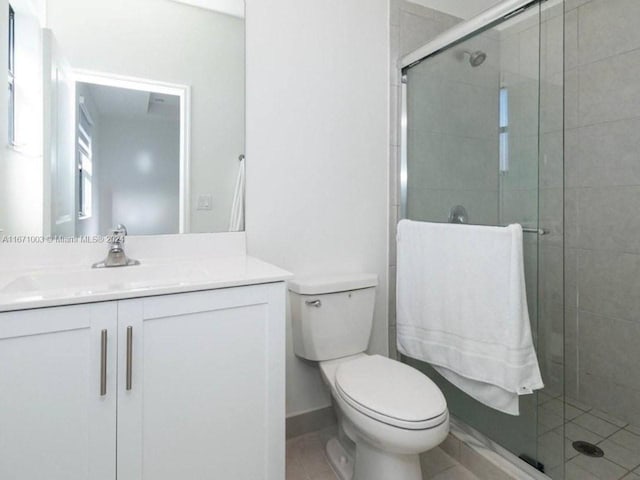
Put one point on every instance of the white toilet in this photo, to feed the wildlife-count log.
(388, 412)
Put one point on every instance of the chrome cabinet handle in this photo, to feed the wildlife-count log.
(314, 303)
(129, 357)
(103, 363)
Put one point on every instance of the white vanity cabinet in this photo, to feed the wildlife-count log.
(198, 380)
(206, 399)
(55, 422)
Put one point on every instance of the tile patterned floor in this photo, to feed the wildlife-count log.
(306, 460)
(619, 441)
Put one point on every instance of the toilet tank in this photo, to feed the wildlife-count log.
(332, 315)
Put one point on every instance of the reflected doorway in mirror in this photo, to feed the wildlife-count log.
(132, 155)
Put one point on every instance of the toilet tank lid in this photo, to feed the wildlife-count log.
(319, 284)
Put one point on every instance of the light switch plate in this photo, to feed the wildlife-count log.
(205, 202)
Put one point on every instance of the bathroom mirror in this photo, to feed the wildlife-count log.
(122, 112)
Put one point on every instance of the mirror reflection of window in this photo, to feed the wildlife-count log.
(12, 61)
(85, 161)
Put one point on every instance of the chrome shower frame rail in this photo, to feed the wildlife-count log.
(490, 17)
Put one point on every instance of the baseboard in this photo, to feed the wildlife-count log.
(310, 422)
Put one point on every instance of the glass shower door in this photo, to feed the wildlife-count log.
(483, 145)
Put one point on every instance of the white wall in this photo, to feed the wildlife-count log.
(317, 158)
(139, 171)
(168, 41)
(465, 9)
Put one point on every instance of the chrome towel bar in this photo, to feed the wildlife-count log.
(539, 231)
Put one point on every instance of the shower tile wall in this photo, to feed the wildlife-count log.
(602, 205)
(411, 26)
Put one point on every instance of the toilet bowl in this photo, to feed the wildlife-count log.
(389, 412)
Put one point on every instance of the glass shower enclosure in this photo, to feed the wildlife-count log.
(482, 143)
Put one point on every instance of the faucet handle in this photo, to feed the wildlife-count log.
(118, 233)
(120, 229)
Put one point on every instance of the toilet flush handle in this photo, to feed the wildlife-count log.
(314, 303)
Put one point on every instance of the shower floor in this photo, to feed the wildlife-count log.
(619, 441)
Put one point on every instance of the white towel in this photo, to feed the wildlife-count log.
(236, 221)
(462, 307)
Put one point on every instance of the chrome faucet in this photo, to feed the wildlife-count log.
(116, 256)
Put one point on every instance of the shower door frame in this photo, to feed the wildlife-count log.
(456, 35)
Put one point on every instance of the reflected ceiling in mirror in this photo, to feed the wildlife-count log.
(123, 112)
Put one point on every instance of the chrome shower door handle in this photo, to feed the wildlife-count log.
(313, 303)
(103, 363)
(129, 380)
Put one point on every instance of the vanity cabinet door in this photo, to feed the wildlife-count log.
(57, 421)
(206, 396)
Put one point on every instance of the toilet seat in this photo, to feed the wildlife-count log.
(391, 392)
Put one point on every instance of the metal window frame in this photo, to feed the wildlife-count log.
(11, 44)
(84, 146)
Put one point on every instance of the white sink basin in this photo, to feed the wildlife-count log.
(67, 285)
(89, 280)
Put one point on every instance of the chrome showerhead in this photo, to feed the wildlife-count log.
(476, 58)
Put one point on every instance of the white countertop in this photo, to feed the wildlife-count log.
(22, 289)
